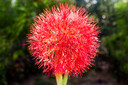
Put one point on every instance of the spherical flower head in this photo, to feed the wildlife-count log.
(64, 40)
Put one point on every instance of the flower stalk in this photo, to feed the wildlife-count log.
(61, 80)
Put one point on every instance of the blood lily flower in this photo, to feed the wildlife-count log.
(64, 41)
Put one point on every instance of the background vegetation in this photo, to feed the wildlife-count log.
(16, 16)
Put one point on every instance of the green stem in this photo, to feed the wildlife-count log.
(65, 79)
(61, 80)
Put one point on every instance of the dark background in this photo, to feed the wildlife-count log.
(17, 66)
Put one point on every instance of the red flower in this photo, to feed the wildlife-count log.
(64, 40)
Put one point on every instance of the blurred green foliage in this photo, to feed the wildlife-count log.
(117, 42)
(16, 17)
